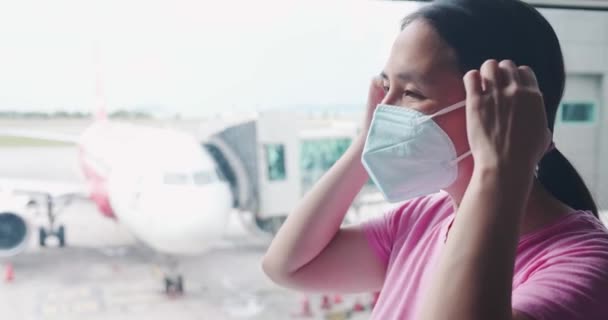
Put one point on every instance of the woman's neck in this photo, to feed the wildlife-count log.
(542, 208)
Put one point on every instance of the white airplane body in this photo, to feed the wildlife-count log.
(160, 183)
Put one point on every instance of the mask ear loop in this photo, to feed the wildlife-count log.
(443, 111)
(461, 157)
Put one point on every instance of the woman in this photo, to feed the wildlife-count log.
(524, 238)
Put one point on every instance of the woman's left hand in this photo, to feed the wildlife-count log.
(506, 120)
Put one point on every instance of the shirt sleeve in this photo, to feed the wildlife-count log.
(383, 231)
(380, 233)
(571, 285)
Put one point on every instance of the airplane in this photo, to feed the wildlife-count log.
(160, 183)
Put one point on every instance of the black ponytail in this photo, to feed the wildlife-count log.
(478, 30)
(560, 178)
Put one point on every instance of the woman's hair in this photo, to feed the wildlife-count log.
(478, 30)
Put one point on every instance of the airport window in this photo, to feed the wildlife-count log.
(275, 161)
(578, 112)
(156, 151)
(317, 156)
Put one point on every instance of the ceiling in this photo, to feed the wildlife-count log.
(571, 4)
(599, 5)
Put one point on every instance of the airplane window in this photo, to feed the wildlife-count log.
(176, 179)
(202, 178)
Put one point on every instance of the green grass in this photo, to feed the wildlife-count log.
(6, 141)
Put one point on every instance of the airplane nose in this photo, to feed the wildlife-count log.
(191, 220)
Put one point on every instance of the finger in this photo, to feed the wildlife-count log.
(472, 83)
(473, 87)
(376, 92)
(509, 72)
(527, 76)
(489, 75)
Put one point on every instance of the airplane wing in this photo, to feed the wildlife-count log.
(55, 190)
(32, 187)
(39, 135)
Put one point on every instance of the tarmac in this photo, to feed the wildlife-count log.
(105, 273)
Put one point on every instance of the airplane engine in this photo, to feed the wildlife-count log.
(14, 234)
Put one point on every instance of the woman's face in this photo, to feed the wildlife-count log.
(422, 73)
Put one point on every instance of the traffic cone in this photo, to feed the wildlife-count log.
(305, 310)
(338, 299)
(358, 307)
(325, 304)
(9, 273)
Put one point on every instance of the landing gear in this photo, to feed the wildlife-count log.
(43, 234)
(42, 237)
(51, 231)
(172, 278)
(174, 285)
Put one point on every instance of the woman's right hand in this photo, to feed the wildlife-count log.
(374, 97)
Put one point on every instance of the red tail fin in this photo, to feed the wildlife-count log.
(100, 101)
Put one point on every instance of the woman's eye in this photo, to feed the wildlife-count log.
(406, 93)
(412, 94)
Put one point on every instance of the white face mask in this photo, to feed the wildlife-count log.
(407, 154)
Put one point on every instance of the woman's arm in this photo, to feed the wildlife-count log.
(506, 128)
(310, 251)
(473, 279)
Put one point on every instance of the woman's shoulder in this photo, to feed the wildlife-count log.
(568, 260)
(578, 234)
(432, 207)
(578, 224)
(423, 212)
(585, 229)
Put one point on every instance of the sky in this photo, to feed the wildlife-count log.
(195, 58)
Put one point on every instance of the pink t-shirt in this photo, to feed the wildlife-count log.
(561, 270)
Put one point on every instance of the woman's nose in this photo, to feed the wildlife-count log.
(392, 97)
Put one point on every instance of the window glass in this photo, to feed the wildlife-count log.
(193, 129)
(578, 112)
(317, 156)
(275, 162)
